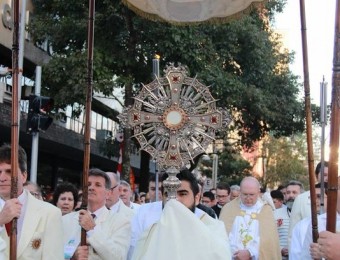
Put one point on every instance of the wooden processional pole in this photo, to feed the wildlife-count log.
(308, 122)
(334, 138)
(15, 126)
(87, 135)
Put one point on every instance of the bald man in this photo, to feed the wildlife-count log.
(251, 225)
(113, 202)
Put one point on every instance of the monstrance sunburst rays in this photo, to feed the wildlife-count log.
(174, 119)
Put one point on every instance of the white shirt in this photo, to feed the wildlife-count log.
(298, 237)
(282, 218)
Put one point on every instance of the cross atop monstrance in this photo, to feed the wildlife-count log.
(174, 119)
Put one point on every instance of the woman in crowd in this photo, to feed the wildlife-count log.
(65, 197)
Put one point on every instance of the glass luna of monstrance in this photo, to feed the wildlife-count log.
(174, 118)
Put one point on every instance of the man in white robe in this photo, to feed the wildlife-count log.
(253, 234)
(107, 234)
(177, 225)
(301, 228)
(39, 223)
(113, 202)
(302, 204)
(312, 250)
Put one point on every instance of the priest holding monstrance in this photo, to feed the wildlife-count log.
(174, 119)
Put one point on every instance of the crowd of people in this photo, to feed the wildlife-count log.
(229, 222)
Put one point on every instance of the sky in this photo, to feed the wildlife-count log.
(320, 21)
(320, 26)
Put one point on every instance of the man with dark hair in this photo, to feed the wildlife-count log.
(302, 204)
(39, 229)
(222, 196)
(108, 235)
(282, 215)
(152, 223)
(300, 230)
(208, 199)
(293, 189)
(278, 198)
(152, 189)
(201, 206)
(283, 189)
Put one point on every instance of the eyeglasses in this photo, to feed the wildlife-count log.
(35, 194)
(114, 187)
(248, 195)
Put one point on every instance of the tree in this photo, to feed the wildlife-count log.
(241, 60)
(285, 160)
(233, 167)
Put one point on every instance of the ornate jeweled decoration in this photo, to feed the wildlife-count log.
(174, 119)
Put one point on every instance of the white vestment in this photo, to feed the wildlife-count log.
(322, 220)
(245, 230)
(179, 234)
(301, 209)
(147, 215)
(298, 236)
(39, 230)
(120, 207)
(108, 240)
(2, 249)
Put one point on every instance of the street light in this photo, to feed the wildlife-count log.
(206, 157)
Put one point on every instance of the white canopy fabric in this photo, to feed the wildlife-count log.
(192, 11)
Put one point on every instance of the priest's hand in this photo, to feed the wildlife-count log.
(81, 253)
(284, 251)
(242, 255)
(315, 251)
(11, 209)
(86, 221)
(329, 245)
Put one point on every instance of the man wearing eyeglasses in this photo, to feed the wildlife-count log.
(107, 235)
(113, 202)
(251, 226)
(34, 189)
(222, 196)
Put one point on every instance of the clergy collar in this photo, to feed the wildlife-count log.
(256, 207)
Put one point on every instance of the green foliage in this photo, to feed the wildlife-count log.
(232, 168)
(285, 160)
(240, 60)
